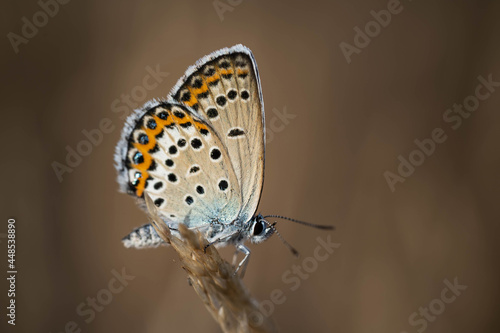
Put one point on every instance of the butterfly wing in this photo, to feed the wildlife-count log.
(224, 89)
(178, 159)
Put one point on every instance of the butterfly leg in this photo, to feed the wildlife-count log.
(210, 244)
(235, 257)
(243, 263)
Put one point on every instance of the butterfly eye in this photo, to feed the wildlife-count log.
(258, 228)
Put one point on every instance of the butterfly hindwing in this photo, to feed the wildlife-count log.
(180, 162)
(224, 89)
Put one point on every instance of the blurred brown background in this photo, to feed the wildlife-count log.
(326, 165)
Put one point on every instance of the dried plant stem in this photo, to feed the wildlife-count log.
(213, 279)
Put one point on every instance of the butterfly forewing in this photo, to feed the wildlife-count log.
(224, 90)
(180, 162)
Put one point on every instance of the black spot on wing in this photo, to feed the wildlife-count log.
(151, 124)
(245, 95)
(200, 189)
(172, 150)
(232, 94)
(235, 132)
(209, 72)
(223, 185)
(163, 115)
(197, 83)
(212, 113)
(143, 139)
(221, 100)
(186, 96)
(172, 177)
(179, 114)
(225, 64)
(215, 154)
(138, 158)
(240, 63)
(202, 95)
(196, 143)
(152, 166)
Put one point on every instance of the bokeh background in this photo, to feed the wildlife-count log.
(326, 165)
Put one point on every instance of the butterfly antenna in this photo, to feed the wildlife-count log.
(317, 226)
(291, 248)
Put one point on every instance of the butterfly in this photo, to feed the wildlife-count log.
(199, 154)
